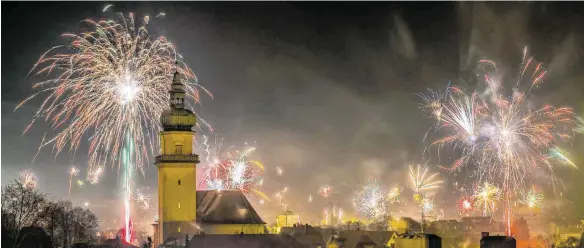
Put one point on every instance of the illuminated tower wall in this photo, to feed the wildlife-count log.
(177, 210)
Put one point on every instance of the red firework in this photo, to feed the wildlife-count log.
(465, 205)
(122, 232)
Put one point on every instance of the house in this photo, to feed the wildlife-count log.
(418, 241)
(247, 241)
(352, 239)
(308, 236)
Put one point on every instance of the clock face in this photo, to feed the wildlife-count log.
(176, 101)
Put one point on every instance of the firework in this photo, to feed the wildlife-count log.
(110, 80)
(28, 179)
(486, 197)
(532, 198)
(427, 205)
(325, 191)
(73, 171)
(309, 198)
(394, 194)
(95, 174)
(505, 137)
(80, 183)
(465, 205)
(421, 181)
(143, 198)
(279, 170)
(333, 215)
(579, 125)
(371, 200)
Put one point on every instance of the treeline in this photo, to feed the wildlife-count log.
(30, 219)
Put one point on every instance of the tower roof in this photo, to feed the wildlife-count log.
(177, 118)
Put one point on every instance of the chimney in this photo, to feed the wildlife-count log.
(484, 234)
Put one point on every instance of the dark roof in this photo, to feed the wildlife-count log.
(308, 235)
(352, 239)
(381, 237)
(225, 207)
(248, 241)
(498, 242)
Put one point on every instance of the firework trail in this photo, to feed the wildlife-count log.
(325, 191)
(371, 200)
(28, 179)
(465, 205)
(110, 81)
(486, 197)
(421, 181)
(73, 171)
(309, 198)
(562, 156)
(333, 215)
(579, 125)
(279, 170)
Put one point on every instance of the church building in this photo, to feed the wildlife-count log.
(182, 210)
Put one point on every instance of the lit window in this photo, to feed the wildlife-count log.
(179, 229)
(178, 149)
(179, 205)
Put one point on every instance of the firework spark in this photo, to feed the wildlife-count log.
(95, 174)
(325, 191)
(486, 197)
(73, 171)
(371, 200)
(28, 179)
(421, 181)
(80, 183)
(143, 198)
(279, 170)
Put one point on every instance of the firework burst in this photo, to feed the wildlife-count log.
(532, 198)
(325, 190)
(465, 205)
(421, 181)
(109, 80)
(486, 197)
(371, 200)
(579, 125)
(394, 194)
(562, 156)
(27, 179)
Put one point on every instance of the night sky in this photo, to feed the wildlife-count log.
(327, 91)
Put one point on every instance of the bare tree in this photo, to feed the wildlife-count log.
(20, 208)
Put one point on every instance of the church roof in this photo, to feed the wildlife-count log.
(225, 207)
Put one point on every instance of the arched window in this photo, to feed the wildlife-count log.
(178, 182)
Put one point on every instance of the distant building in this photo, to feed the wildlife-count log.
(287, 219)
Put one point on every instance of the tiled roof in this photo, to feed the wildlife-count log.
(225, 207)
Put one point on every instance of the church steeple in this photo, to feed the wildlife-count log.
(177, 118)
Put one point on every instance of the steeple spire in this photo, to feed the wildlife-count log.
(177, 117)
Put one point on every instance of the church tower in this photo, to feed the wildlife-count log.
(177, 174)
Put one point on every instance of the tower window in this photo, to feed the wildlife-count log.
(179, 205)
(179, 229)
(178, 182)
(178, 149)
